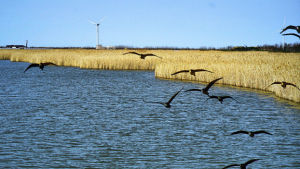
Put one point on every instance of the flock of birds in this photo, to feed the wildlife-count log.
(204, 90)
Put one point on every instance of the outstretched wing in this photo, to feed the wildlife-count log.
(294, 34)
(291, 84)
(30, 66)
(193, 90)
(201, 70)
(153, 102)
(289, 27)
(273, 84)
(240, 132)
(48, 63)
(232, 165)
(211, 83)
(170, 100)
(181, 71)
(131, 53)
(261, 131)
(150, 54)
(250, 161)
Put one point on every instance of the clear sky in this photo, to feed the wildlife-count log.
(147, 23)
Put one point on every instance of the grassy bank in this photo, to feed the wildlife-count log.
(246, 69)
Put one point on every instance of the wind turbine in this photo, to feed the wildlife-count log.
(97, 27)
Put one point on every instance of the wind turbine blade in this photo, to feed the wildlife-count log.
(101, 20)
(92, 22)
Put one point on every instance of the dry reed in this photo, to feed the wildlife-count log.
(245, 69)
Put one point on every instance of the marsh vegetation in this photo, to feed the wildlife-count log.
(251, 69)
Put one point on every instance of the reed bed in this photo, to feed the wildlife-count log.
(244, 69)
(83, 58)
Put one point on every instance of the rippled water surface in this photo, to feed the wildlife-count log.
(68, 117)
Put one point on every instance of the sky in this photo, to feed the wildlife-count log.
(147, 23)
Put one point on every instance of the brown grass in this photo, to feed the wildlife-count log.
(245, 69)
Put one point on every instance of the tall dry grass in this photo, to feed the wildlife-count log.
(83, 58)
(245, 69)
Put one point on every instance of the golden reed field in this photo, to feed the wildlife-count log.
(251, 69)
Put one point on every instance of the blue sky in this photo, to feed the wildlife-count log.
(151, 23)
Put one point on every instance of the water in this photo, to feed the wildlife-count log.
(67, 117)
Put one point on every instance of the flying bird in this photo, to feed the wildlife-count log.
(284, 84)
(168, 103)
(297, 28)
(205, 90)
(221, 98)
(143, 56)
(242, 166)
(251, 133)
(40, 65)
(192, 71)
(292, 34)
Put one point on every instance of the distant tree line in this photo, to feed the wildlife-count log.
(294, 47)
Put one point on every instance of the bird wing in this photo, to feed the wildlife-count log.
(48, 63)
(193, 90)
(291, 84)
(170, 100)
(251, 161)
(291, 34)
(131, 53)
(240, 131)
(273, 83)
(181, 71)
(200, 70)
(150, 54)
(261, 131)
(289, 27)
(211, 97)
(153, 102)
(30, 66)
(231, 165)
(211, 83)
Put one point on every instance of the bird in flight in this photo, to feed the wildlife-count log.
(168, 103)
(192, 71)
(40, 65)
(143, 56)
(205, 90)
(221, 98)
(297, 28)
(250, 133)
(242, 166)
(284, 84)
(294, 34)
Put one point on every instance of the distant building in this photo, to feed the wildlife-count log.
(16, 46)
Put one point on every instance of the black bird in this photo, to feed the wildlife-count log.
(250, 133)
(191, 71)
(205, 90)
(284, 84)
(297, 28)
(143, 56)
(221, 98)
(40, 65)
(292, 34)
(242, 166)
(168, 103)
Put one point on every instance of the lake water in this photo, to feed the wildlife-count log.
(67, 117)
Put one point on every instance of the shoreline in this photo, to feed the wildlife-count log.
(247, 69)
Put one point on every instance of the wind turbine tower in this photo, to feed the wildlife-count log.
(97, 27)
